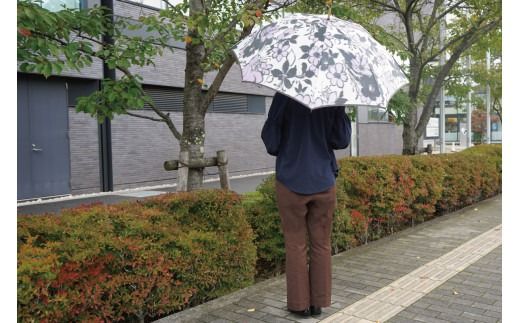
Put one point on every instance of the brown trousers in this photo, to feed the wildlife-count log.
(302, 215)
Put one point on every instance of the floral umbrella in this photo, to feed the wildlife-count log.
(320, 62)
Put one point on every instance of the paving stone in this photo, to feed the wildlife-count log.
(496, 308)
(274, 311)
(422, 311)
(273, 303)
(466, 308)
(479, 318)
(446, 310)
(208, 318)
(234, 317)
(497, 315)
(398, 319)
(429, 319)
(364, 270)
(455, 318)
(275, 319)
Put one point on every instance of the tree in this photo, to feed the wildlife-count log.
(464, 78)
(414, 36)
(48, 42)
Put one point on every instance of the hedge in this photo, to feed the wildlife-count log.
(133, 261)
(380, 195)
(137, 261)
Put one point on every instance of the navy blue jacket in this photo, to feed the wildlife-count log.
(303, 141)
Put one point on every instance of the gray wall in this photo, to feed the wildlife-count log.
(169, 68)
(84, 153)
(379, 139)
(140, 147)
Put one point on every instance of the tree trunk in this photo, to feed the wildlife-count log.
(193, 134)
(409, 135)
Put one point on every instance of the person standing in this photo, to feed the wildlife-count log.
(303, 141)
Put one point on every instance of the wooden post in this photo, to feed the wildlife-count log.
(182, 173)
(171, 165)
(222, 162)
(429, 149)
(183, 166)
(194, 163)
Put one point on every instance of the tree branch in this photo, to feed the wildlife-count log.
(217, 82)
(143, 117)
(385, 4)
(471, 31)
(168, 3)
(226, 66)
(406, 17)
(468, 40)
(433, 20)
(394, 37)
(165, 117)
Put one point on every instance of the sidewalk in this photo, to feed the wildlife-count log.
(240, 185)
(445, 270)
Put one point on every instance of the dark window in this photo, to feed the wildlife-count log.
(164, 98)
(256, 104)
(171, 99)
(229, 103)
(377, 114)
(77, 88)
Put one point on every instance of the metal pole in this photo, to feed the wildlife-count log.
(469, 109)
(354, 137)
(105, 129)
(442, 121)
(488, 100)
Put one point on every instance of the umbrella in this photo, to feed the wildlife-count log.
(320, 61)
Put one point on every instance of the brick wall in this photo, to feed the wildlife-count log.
(84, 153)
(140, 147)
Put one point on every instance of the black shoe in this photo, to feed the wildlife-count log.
(304, 313)
(315, 310)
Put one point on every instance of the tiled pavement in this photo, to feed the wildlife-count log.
(465, 288)
(473, 295)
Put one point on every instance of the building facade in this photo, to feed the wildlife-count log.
(59, 149)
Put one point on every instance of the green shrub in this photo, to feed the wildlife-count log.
(471, 175)
(133, 260)
(262, 214)
(377, 196)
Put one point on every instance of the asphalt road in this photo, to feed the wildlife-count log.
(239, 185)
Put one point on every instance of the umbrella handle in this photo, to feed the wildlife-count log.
(329, 5)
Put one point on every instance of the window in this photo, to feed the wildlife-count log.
(159, 4)
(57, 5)
(377, 114)
(171, 99)
(452, 127)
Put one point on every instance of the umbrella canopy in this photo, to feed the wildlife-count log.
(320, 62)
